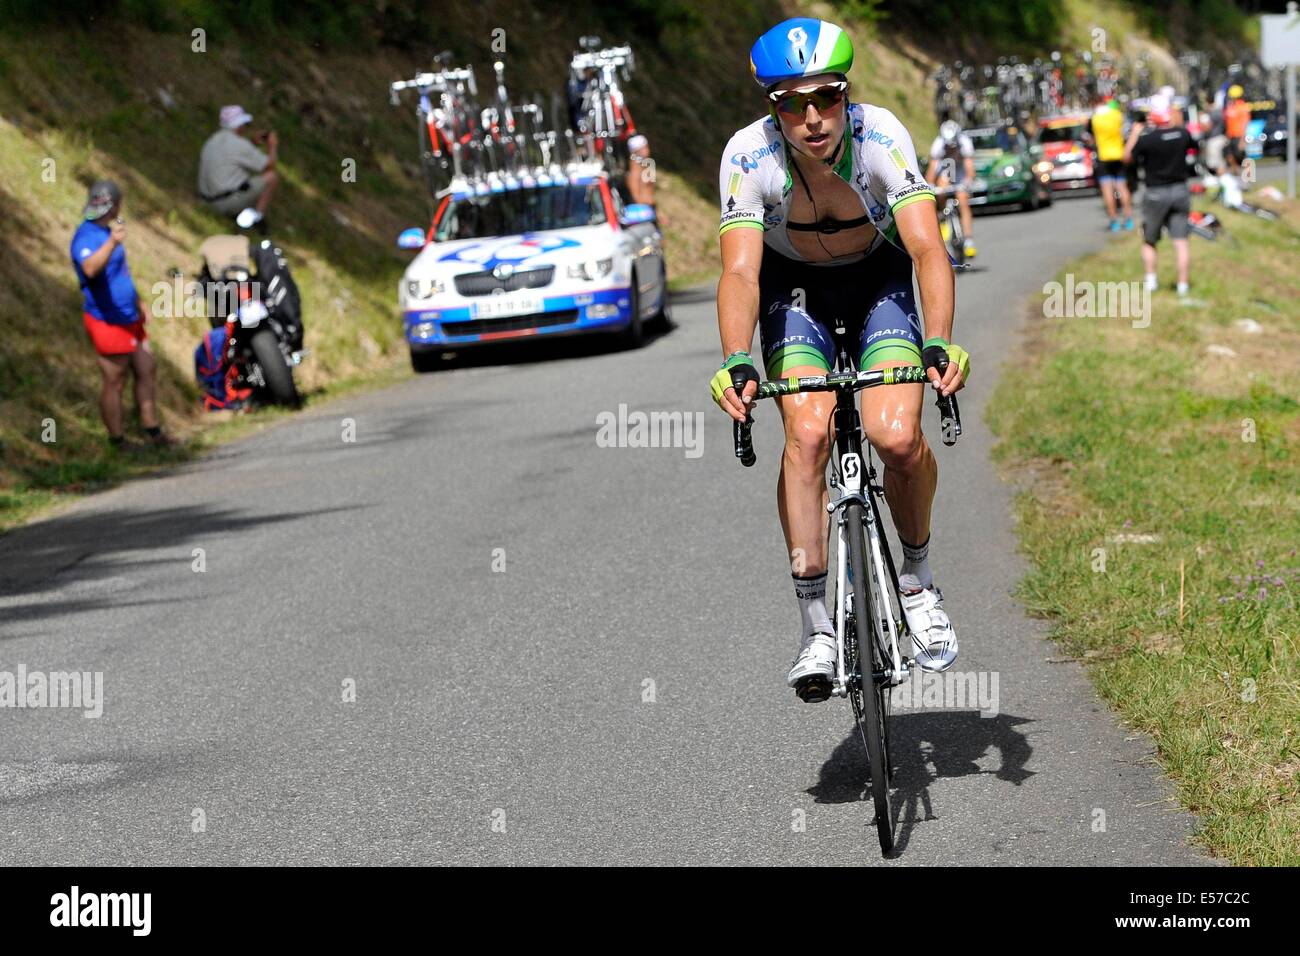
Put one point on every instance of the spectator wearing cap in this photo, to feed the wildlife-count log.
(113, 314)
(235, 177)
(1161, 148)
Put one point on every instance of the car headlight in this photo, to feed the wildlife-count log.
(1008, 170)
(1044, 167)
(592, 269)
(424, 288)
(1070, 157)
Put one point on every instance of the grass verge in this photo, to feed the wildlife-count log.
(1161, 514)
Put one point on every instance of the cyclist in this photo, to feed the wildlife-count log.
(824, 214)
(1107, 127)
(954, 150)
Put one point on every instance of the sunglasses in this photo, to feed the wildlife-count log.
(795, 102)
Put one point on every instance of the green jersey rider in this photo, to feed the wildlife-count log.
(824, 215)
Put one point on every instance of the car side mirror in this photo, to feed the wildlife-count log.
(412, 238)
(637, 212)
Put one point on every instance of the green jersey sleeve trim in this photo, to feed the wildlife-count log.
(747, 223)
(908, 200)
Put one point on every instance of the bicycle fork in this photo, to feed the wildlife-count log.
(852, 479)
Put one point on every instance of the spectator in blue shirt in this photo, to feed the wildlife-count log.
(113, 314)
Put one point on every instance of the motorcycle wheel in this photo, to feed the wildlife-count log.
(276, 372)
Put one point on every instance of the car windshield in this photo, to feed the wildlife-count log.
(1060, 134)
(997, 139)
(522, 210)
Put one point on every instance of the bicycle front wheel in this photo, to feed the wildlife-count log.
(871, 715)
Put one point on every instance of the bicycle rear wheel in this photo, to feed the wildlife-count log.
(869, 704)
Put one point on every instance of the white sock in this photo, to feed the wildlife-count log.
(1152, 281)
(811, 593)
(916, 562)
(1182, 288)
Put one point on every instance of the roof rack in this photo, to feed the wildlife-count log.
(475, 146)
(537, 177)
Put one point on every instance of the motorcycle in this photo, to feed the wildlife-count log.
(255, 311)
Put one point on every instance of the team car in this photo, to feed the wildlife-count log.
(544, 255)
(1064, 140)
(1008, 170)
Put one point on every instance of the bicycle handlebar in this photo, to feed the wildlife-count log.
(949, 413)
(432, 81)
(611, 56)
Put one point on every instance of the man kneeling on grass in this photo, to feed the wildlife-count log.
(114, 316)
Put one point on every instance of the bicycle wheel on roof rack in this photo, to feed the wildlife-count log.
(616, 157)
(429, 160)
(557, 120)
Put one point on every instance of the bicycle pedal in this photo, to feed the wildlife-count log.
(813, 690)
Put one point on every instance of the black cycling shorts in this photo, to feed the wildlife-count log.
(1110, 169)
(800, 304)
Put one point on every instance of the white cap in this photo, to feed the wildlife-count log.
(636, 142)
(233, 117)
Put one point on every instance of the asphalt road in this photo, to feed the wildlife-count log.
(615, 695)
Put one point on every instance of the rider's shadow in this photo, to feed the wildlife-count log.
(925, 747)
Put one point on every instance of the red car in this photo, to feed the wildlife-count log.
(1065, 144)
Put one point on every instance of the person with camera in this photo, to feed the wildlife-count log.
(114, 315)
(235, 177)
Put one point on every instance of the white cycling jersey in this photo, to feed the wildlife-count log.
(963, 148)
(878, 160)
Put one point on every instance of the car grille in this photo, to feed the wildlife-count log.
(485, 283)
(514, 323)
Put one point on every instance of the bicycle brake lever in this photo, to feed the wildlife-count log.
(744, 441)
(949, 414)
(949, 419)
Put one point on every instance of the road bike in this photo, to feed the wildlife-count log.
(449, 140)
(950, 228)
(500, 140)
(604, 121)
(869, 623)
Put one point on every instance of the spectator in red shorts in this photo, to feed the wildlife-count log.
(113, 314)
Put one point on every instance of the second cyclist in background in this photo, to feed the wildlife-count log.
(952, 162)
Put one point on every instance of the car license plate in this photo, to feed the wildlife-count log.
(496, 306)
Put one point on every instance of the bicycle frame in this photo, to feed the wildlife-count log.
(879, 665)
(855, 479)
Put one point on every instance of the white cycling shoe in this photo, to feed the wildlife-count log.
(813, 668)
(933, 639)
